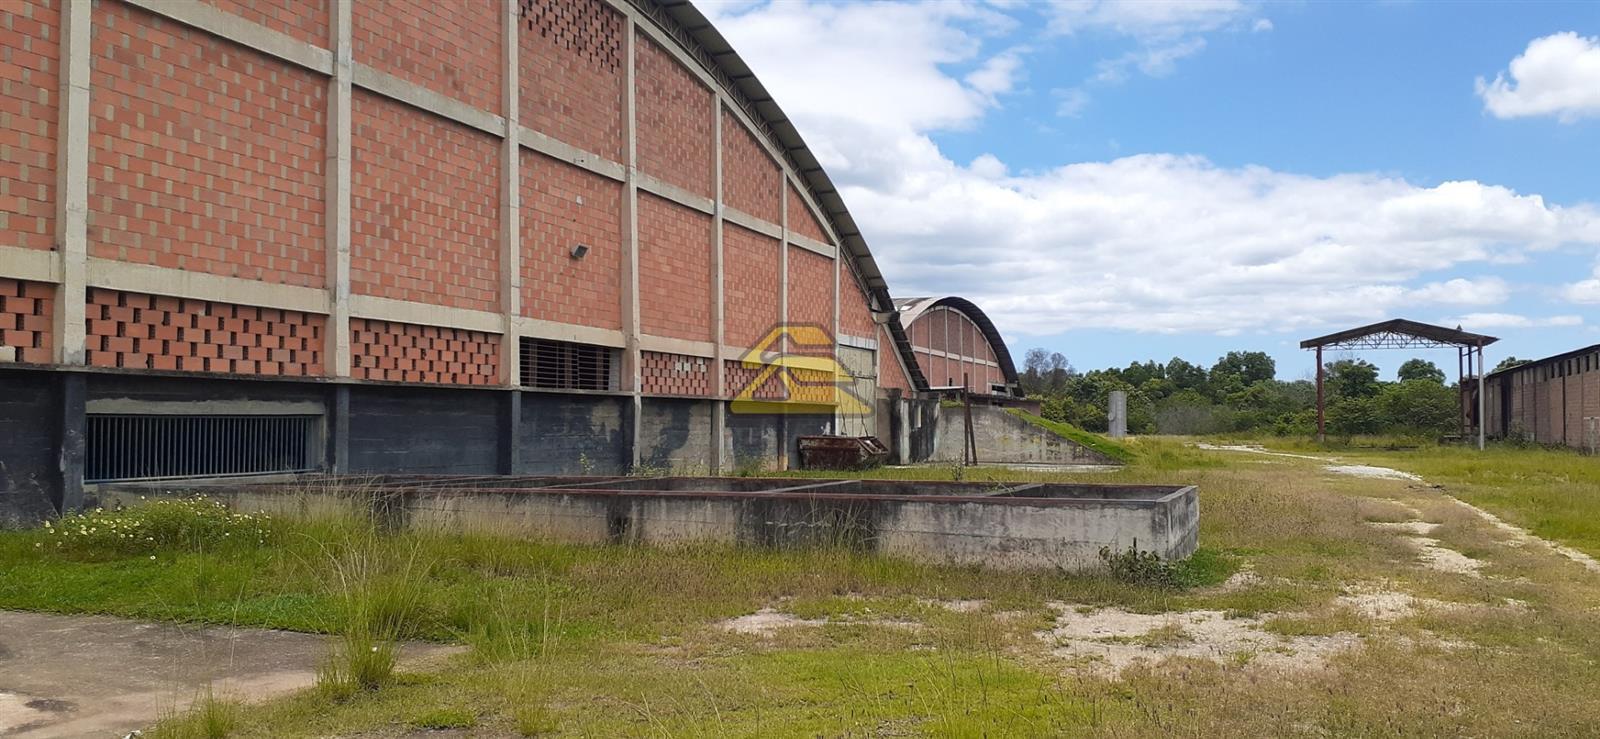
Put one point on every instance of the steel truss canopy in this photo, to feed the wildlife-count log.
(1399, 334)
(1402, 334)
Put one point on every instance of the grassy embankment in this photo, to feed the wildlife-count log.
(625, 640)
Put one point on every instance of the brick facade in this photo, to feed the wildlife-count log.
(452, 48)
(802, 220)
(571, 73)
(563, 206)
(305, 20)
(891, 375)
(740, 378)
(139, 331)
(425, 213)
(203, 156)
(855, 310)
(662, 373)
(751, 181)
(29, 103)
(674, 121)
(405, 352)
(27, 312)
(674, 270)
(750, 272)
(948, 345)
(810, 289)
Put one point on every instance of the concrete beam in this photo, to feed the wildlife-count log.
(562, 151)
(423, 314)
(719, 388)
(243, 32)
(336, 424)
(670, 345)
(745, 220)
(178, 283)
(510, 205)
(336, 243)
(541, 329)
(421, 98)
(34, 265)
(812, 245)
(72, 182)
(675, 194)
(630, 239)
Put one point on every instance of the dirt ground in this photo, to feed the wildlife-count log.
(98, 676)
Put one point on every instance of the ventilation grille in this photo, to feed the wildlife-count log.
(157, 447)
(588, 27)
(563, 365)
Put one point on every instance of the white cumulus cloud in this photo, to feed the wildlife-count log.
(1556, 75)
(1155, 242)
(1484, 321)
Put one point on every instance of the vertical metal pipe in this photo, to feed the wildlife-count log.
(1321, 416)
(1481, 373)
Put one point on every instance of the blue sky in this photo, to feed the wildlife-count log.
(1128, 180)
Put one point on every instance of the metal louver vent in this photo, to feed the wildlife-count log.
(157, 447)
(564, 365)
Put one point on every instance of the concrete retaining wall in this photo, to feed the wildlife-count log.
(1003, 438)
(1031, 527)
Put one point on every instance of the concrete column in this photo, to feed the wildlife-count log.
(510, 204)
(509, 454)
(337, 245)
(719, 388)
(1117, 413)
(72, 402)
(783, 305)
(337, 422)
(630, 242)
(72, 183)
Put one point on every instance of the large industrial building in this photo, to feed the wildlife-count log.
(957, 346)
(494, 236)
(1555, 401)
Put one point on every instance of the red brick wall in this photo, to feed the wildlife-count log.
(674, 120)
(571, 73)
(801, 219)
(563, 205)
(139, 331)
(810, 288)
(751, 181)
(29, 54)
(406, 352)
(27, 312)
(674, 270)
(203, 156)
(855, 311)
(890, 372)
(749, 285)
(674, 374)
(424, 208)
(452, 48)
(306, 20)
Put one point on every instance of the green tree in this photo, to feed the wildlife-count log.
(1185, 375)
(1419, 406)
(1353, 415)
(1243, 368)
(1508, 363)
(1421, 369)
(1353, 378)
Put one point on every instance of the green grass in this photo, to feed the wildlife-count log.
(623, 640)
(1119, 452)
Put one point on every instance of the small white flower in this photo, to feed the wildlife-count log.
(152, 558)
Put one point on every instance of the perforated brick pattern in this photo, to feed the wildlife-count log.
(674, 374)
(27, 310)
(406, 352)
(139, 331)
(740, 377)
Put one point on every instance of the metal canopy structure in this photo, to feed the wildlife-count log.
(1400, 333)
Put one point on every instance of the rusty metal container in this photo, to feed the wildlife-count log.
(841, 452)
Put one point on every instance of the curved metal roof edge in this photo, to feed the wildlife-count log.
(761, 106)
(911, 309)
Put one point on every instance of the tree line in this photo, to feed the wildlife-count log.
(1240, 392)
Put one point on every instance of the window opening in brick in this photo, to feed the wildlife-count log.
(564, 365)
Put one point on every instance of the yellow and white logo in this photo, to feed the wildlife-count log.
(793, 369)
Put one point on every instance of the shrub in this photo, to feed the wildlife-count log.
(184, 524)
(1148, 569)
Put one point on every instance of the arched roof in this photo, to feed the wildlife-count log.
(706, 43)
(910, 309)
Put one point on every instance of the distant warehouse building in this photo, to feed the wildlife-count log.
(957, 346)
(490, 236)
(1554, 401)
